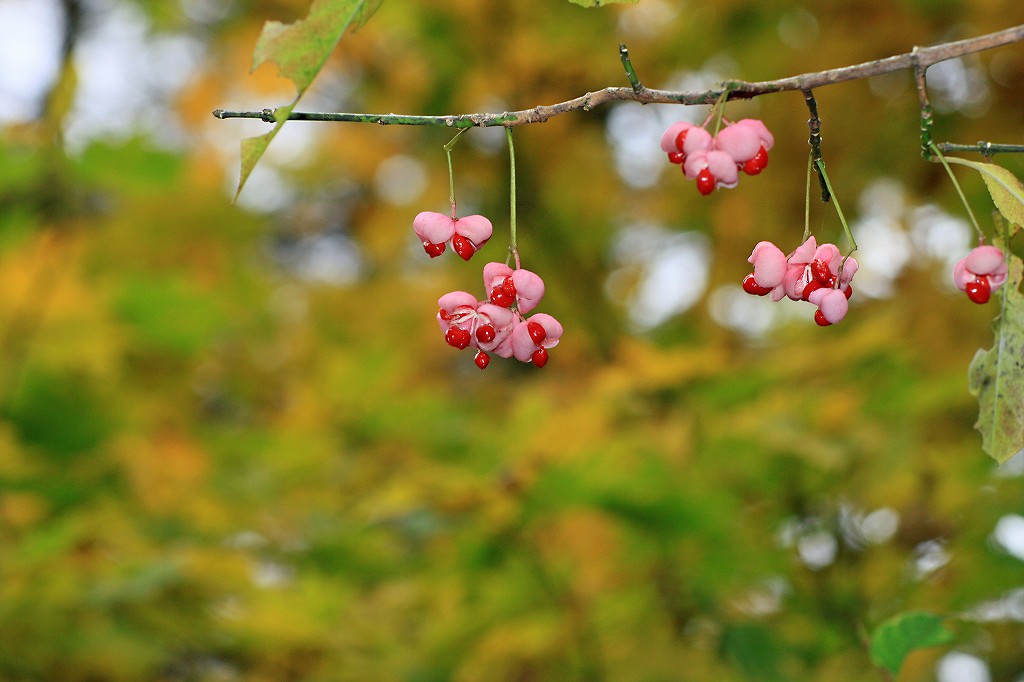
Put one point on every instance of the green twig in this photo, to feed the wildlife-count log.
(807, 200)
(949, 171)
(489, 120)
(814, 125)
(986, 149)
(513, 247)
(925, 105)
(842, 219)
(451, 174)
(718, 109)
(634, 82)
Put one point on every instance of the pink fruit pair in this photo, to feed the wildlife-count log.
(466, 234)
(715, 161)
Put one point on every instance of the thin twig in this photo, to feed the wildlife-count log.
(814, 125)
(627, 64)
(986, 149)
(925, 106)
(919, 59)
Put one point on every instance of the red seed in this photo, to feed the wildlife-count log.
(485, 333)
(457, 337)
(680, 139)
(979, 290)
(751, 286)
(433, 250)
(537, 332)
(757, 163)
(463, 247)
(821, 272)
(810, 288)
(705, 182)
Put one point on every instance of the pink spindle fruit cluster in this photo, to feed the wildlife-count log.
(466, 234)
(715, 161)
(818, 274)
(498, 324)
(981, 272)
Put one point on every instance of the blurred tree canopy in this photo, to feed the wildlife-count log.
(234, 445)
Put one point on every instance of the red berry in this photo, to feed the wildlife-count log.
(463, 247)
(751, 286)
(482, 359)
(500, 298)
(433, 250)
(979, 290)
(505, 293)
(540, 357)
(819, 317)
(485, 333)
(676, 157)
(810, 288)
(848, 291)
(705, 182)
(457, 337)
(537, 332)
(680, 139)
(821, 272)
(444, 314)
(757, 163)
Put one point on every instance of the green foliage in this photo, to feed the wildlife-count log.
(300, 50)
(599, 3)
(997, 375)
(220, 459)
(1006, 190)
(897, 637)
(167, 315)
(60, 414)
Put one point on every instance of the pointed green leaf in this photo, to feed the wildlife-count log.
(894, 639)
(599, 3)
(1006, 190)
(253, 147)
(300, 51)
(996, 376)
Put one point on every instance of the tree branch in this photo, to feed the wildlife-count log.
(919, 59)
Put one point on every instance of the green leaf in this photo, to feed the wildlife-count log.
(168, 315)
(599, 3)
(897, 637)
(996, 376)
(300, 51)
(1006, 190)
(755, 650)
(253, 147)
(62, 414)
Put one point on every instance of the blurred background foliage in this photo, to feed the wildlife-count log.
(234, 445)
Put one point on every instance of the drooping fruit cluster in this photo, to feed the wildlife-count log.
(715, 161)
(818, 274)
(466, 234)
(498, 324)
(981, 272)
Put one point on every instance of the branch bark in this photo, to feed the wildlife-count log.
(919, 59)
